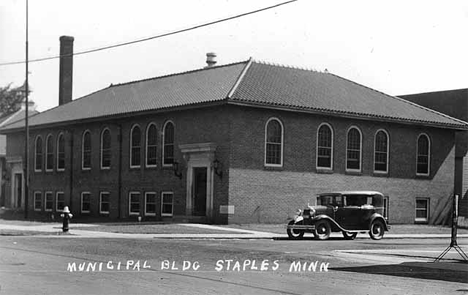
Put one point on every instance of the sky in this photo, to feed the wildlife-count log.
(396, 47)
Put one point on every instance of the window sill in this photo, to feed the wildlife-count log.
(273, 168)
(324, 170)
(351, 172)
(422, 176)
(380, 174)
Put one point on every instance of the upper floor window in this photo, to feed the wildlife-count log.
(168, 146)
(324, 147)
(86, 150)
(423, 155)
(135, 147)
(105, 149)
(38, 154)
(49, 153)
(274, 143)
(151, 148)
(60, 153)
(381, 152)
(353, 150)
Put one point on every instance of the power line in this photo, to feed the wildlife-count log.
(154, 37)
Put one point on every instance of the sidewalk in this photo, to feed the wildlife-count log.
(77, 230)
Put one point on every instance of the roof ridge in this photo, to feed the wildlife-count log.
(403, 100)
(240, 78)
(287, 66)
(179, 73)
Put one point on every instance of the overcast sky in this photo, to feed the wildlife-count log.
(397, 47)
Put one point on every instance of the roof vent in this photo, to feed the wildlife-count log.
(210, 59)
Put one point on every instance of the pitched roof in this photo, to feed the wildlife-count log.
(248, 83)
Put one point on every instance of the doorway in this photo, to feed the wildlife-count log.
(18, 189)
(199, 191)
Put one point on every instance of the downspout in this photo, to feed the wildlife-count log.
(120, 172)
(71, 168)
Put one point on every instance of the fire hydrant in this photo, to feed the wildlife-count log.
(66, 215)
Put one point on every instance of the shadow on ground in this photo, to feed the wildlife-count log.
(446, 271)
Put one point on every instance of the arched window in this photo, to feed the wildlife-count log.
(151, 148)
(105, 149)
(86, 151)
(424, 155)
(381, 151)
(49, 153)
(324, 146)
(353, 150)
(274, 143)
(135, 147)
(60, 152)
(38, 154)
(168, 146)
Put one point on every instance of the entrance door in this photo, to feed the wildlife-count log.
(199, 191)
(18, 189)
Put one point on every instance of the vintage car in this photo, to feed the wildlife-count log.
(350, 212)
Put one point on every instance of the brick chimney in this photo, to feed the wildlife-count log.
(210, 59)
(66, 70)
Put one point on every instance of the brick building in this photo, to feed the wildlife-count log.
(453, 103)
(243, 142)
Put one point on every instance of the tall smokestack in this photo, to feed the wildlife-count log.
(66, 70)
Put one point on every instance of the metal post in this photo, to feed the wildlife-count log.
(26, 148)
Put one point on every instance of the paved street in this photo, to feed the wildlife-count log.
(41, 265)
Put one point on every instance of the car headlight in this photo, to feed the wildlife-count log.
(298, 212)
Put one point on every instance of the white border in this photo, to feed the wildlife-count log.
(51, 194)
(100, 202)
(428, 155)
(60, 135)
(162, 203)
(388, 151)
(426, 219)
(146, 145)
(35, 153)
(131, 146)
(49, 136)
(81, 204)
(163, 143)
(56, 201)
(101, 150)
(360, 150)
(82, 149)
(146, 202)
(130, 213)
(282, 143)
(317, 147)
(35, 194)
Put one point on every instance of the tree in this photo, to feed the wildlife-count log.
(10, 99)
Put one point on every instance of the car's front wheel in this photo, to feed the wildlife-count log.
(322, 230)
(295, 234)
(377, 230)
(349, 235)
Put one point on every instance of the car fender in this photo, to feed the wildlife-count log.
(298, 218)
(376, 216)
(331, 220)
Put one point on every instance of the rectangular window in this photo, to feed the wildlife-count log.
(37, 201)
(104, 203)
(60, 201)
(150, 204)
(166, 203)
(422, 210)
(49, 201)
(85, 202)
(134, 203)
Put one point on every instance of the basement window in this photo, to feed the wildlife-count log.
(422, 210)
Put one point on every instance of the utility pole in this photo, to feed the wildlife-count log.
(26, 139)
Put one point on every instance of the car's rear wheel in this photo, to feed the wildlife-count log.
(295, 234)
(349, 235)
(377, 230)
(322, 230)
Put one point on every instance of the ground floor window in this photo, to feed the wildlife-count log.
(104, 202)
(85, 202)
(60, 201)
(150, 204)
(166, 203)
(134, 206)
(49, 201)
(37, 201)
(422, 210)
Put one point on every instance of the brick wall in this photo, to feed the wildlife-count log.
(262, 194)
(191, 126)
